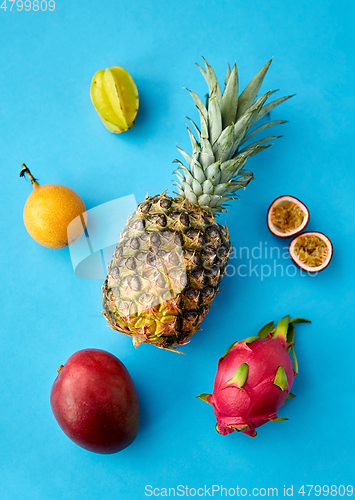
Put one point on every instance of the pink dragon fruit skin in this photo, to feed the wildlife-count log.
(254, 379)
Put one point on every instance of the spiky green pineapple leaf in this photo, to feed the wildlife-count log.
(263, 332)
(198, 172)
(244, 175)
(208, 187)
(241, 160)
(214, 117)
(272, 105)
(261, 141)
(197, 130)
(240, 183)
(228, 73)
(195, 146)
(249, 94)
(229, 101)
(196, 187)
(253, 150)
(179, 192)
(189, 194)
(243, 123)
(211, 79)
(224, 144)
(186, 156)
(187, 174)
(206, 155)
(204, 200)
(231, 168)
(281, 378)
(221, 188)
(213, 173)
(213, 169)
(179, 176)
(199, 105)
(217, 200)
(240, 376)
(260, 129)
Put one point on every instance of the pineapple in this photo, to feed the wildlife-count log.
(173, 253)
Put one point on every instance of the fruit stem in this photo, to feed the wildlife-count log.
(60, 368)
(26, 171)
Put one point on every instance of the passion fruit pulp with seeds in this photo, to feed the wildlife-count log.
(287, 216)
(54, 215)
(311, 251)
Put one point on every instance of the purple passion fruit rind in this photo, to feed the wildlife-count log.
(312, 251)
(289, 211)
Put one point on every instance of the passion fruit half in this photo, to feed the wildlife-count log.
(287, 216)
(311, 251)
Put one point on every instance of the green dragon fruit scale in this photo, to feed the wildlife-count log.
(254, 379)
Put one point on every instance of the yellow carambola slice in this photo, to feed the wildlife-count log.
(128, 93)
(115, 97)
(102, 104)
(113, 93)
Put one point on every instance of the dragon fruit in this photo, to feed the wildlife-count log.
(254, 379)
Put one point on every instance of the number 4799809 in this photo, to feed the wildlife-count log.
(325, 490)
(34, 5)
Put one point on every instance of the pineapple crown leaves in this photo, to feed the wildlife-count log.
(215, 169)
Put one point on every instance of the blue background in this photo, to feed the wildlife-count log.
(47, 61)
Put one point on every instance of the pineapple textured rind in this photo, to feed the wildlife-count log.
(165, 271)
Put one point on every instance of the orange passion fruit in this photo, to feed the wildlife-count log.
(54, 215)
